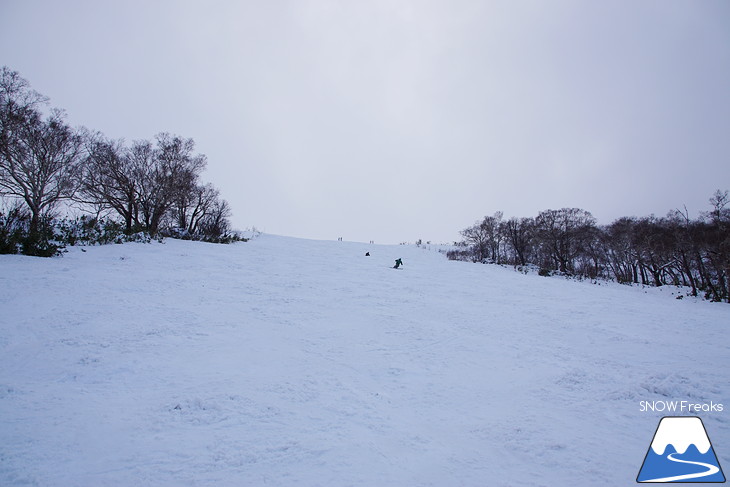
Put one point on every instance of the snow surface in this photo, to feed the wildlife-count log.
(293, 362)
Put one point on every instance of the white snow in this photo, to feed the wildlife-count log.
(681, 432)
(294, 362)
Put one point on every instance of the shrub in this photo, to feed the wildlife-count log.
(13, 230)
(465, 254)
(183, 234)
(54, 235)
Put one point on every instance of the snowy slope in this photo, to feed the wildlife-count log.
(293, 362)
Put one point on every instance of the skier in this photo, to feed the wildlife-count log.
(398, 263)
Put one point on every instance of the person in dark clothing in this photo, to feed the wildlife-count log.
(398, 263)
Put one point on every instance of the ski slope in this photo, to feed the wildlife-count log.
(283, 361)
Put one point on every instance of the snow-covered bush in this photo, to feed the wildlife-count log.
(13, 227)
(465, 254)
(16, 237)
(86, 230)
(223, 238)
(54, 235)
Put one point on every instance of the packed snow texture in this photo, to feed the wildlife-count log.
(293, 362)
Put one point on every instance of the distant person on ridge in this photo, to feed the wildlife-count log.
(398, 263)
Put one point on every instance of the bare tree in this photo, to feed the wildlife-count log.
(717, 239)
(192, 208)
(164, 173)
(40, 164)
(109, 179)
(675, 249)
(621, 252)
(519, 234)
(216, 223)
(476, 237)
(149, 184)
(720, 213)
(493, 230)
(485, 238)
(562, 234)
(149, 181)
(19, 106)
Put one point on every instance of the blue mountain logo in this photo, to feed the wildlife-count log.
(681, 452)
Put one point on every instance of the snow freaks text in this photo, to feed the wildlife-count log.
(680, 407)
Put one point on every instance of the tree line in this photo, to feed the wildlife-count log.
(657, 251)
(150, 186)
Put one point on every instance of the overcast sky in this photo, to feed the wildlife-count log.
(398, 120)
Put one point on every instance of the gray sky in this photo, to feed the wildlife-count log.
(398, 120)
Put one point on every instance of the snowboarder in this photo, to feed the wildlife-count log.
(398, 263)
(367, 254)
